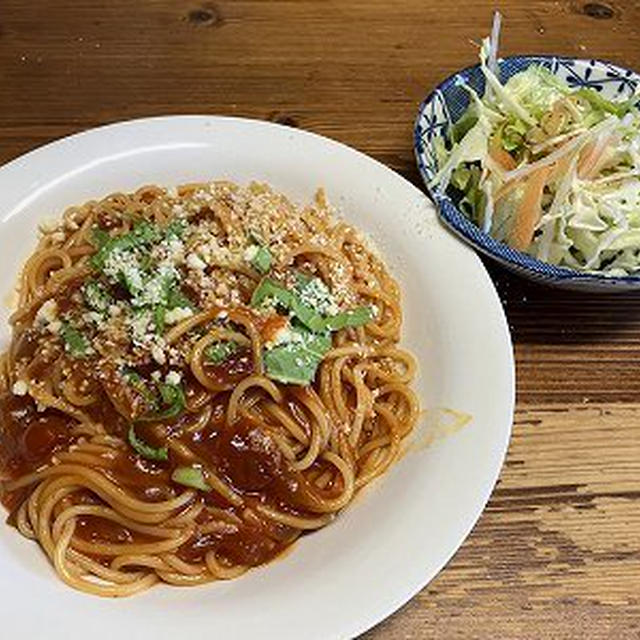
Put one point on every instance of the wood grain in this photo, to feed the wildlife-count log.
(557, 552)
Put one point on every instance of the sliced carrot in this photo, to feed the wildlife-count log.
(560, 168)
(591, 156)
(557, 170)
(506, 189)
(500, 156)
(529, 209)
(585, 157)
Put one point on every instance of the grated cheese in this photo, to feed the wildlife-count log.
(47, 313)
(173, 316)
(125, 263)
(222, 229)
(316, 294)
(196, 262)
(158, 354)
(20, 388)
(54, 327)
(173, 377)
(250, 253)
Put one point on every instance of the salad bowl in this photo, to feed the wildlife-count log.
(434, 126)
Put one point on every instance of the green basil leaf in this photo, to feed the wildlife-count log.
(352, 318)
(175, 229)
(170, 404)
(135, 380)
(177, 299)
(297, 362)
(270, 289)
(308, 316)
(153, 290)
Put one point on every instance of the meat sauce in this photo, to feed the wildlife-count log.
(242, 454)
(233, 369)
(28, 439)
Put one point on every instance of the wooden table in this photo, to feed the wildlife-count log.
(557, 552)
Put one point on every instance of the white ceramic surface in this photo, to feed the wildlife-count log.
(398, 534)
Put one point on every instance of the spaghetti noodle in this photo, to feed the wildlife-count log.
(197, 376)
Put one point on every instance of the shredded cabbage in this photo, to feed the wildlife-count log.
(537, 90)
(587, 147)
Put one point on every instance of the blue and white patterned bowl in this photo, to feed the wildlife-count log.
(449, 101)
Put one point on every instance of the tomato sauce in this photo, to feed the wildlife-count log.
(243, 455)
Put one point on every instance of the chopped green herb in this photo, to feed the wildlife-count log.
(144, 233)
(130, 277)
(218, 352)
(99, 237)
(261, 261)
(158, 318)
(191, 477)
(134, 379)
(175, 229)
(177, 299)
(145, 261)
(173, 399)
(146, 450)
(170, 404)
(296, 362)
(314, 293)
(308, 316)
(96, 296)
(75, 344)
(353, 318)
(150, 290)
(302, 279)
(105, 247)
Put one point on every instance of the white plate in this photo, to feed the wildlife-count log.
(399, 533)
